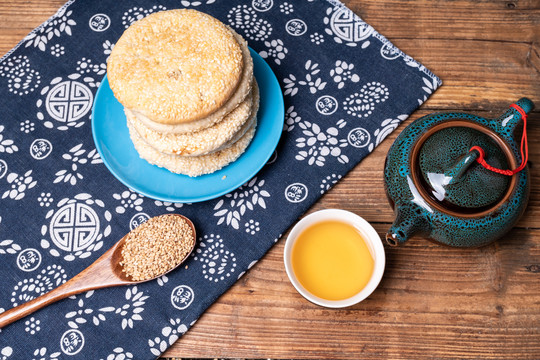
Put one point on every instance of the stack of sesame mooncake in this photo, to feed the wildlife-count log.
(186, 83)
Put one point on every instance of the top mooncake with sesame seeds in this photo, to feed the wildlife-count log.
(176, 66)
(242, 91)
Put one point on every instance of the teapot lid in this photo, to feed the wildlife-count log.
(450, 174)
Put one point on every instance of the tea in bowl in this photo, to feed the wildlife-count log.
(334, 258)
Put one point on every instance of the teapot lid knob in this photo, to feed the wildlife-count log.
(450, 173)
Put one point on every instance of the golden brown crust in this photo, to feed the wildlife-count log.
(220, 135)
(244, 88)
(192, 165)
(175, 66)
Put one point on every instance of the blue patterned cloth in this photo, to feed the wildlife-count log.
(345, 86)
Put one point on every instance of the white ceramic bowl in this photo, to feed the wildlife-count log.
(373, 241)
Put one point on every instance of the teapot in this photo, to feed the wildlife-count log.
(443, 177)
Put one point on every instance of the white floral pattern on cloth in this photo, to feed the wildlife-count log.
(59, 24)
(58, 50)
(162, 280)
(30, 288)
(32, 325)
(6, 145)
(233, 206)
(387, 126)
(9, 247)
(85, 67)
(137, 13)
(317, 145)
(45, 199)
(286, 8)
(129, 312)
(27, 126)
(75, 230)
(22, 79)
(244, 18)
(343, 72)
(78, 157)
(132, 309)
(188, 3)
(328, 181)
(42, 354)
(78, 317)
(119, 354)
(66, 101)
(129, 199)
(18, 185)
(362, 104)
(430, 86)
(6, 352)
(218, 263)
(276, 50)
(316, 38)
(170, 334)
(291, 119)
(347, 28)
(252, 226)
(107, 48)
(170, 206)
(313, 82)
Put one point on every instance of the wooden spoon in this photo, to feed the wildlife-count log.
(106, 271)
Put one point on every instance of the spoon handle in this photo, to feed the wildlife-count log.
(71, 287)
(96, 276)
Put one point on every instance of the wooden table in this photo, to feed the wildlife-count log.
(433, 302)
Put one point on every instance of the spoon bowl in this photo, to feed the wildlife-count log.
(105, 272)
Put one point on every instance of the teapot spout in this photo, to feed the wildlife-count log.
(406, 224)
(512, 117)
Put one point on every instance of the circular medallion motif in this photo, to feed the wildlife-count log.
(262, 5)
(99, 22)
(29, 260)
(358, 137)
(296, 27)
(389, 51)
(68, 101)
(347, 26)
(296, 192)
(182, 296)
(74, 227)
(72, 342)
(40, 149)
(137, 220)
(326, 105)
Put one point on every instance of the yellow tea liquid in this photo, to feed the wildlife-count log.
(331, 260)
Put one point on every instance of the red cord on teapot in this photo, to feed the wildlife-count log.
(524, 149)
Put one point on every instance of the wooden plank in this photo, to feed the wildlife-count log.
(486, 20)
(433, 302)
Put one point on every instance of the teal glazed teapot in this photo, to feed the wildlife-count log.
(447, 177)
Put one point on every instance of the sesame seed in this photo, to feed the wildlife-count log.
(156, 247)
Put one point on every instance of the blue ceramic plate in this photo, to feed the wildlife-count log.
(111, 137)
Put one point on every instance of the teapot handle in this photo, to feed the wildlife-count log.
(507, 122)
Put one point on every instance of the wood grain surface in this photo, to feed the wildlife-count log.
(433, 302)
